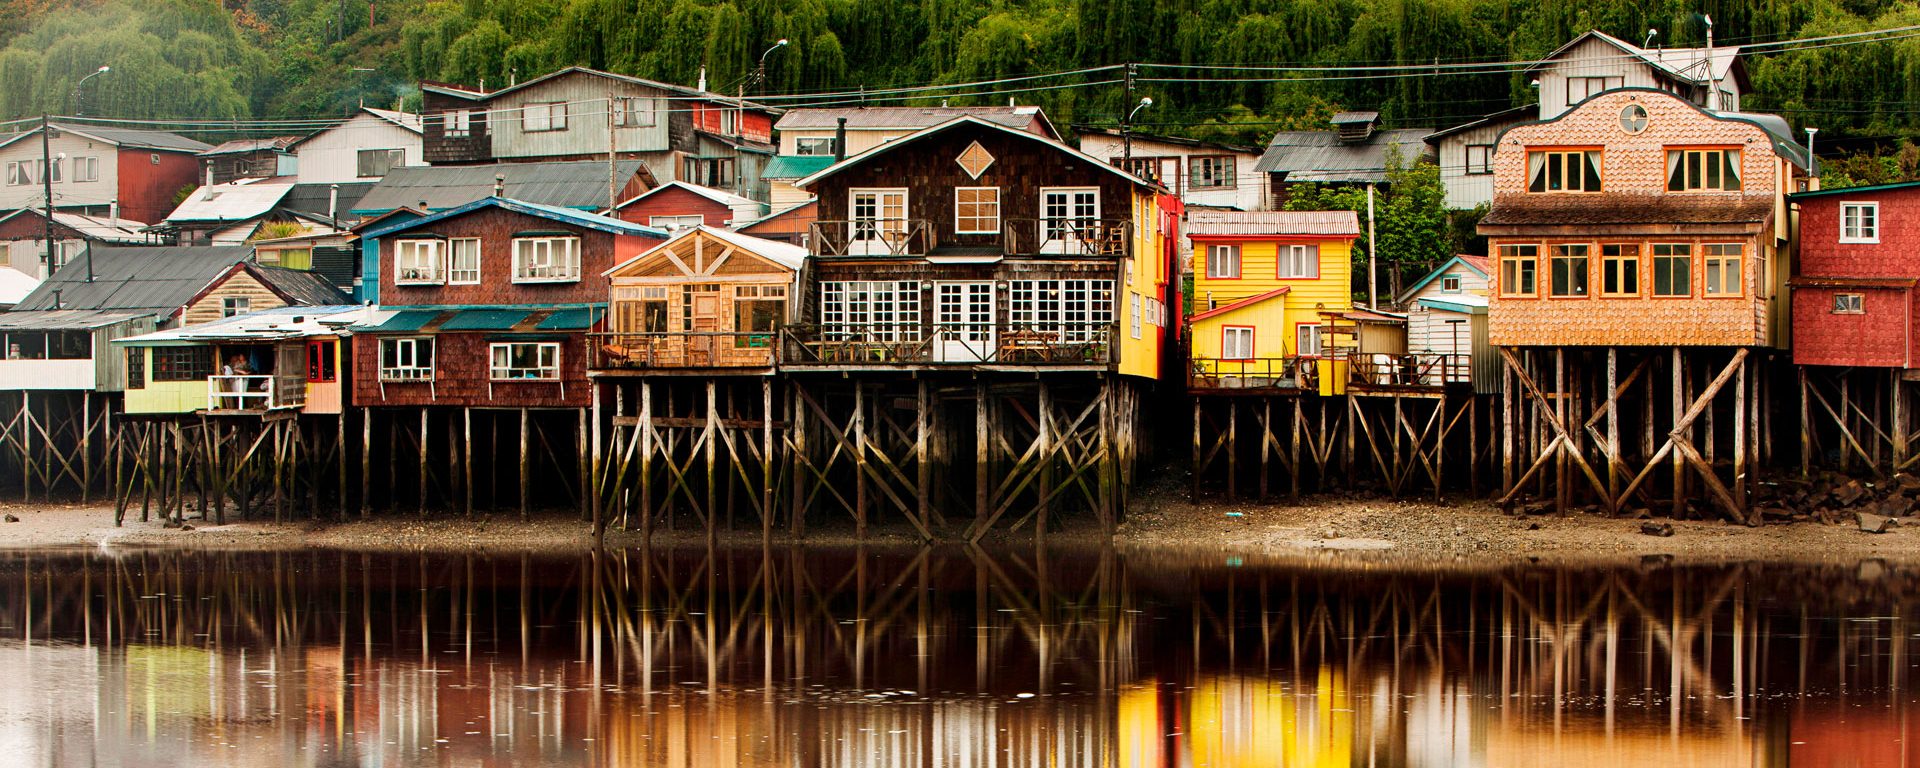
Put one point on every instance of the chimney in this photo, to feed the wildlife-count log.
(840, 139)
(113, 208)
(207, 188)
(499, 185)
(333, 202)
(703, 79)
(424, 208)
(1355, 127)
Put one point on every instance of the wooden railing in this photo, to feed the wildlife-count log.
(1408, 370)
(255, 392)
(690, 349)
(1291, 372)
(873, 237)
(1071, 237)
(950, 344)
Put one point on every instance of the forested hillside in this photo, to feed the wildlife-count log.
(288, 59)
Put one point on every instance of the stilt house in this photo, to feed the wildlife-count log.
(709, 298)
(286, 358)
(1264, 286)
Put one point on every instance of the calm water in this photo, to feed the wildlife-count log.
(941, 657)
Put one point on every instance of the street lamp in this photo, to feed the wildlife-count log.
(79, 107)
(1126, 127)
(762, 69)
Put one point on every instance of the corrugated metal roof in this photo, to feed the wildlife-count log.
(313, 198)
(403, 321)
(243, 146)
(484, 319)
(796, 166)
(1355, 117)
(100, 228)
(62, 319)
(578, 185)
(266, 324)
(233, 201)
(568, 215)
(155, 280)
(124, 137)
(1320, 156)
(306, 288)
(909, 118)
(579, 319)
(1341, 223)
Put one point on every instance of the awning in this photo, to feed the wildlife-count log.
(404, 321)
(485, 320)
(576, 319)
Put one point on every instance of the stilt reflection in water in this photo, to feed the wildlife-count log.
(941, 657)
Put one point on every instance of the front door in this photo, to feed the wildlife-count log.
(704, 318)
(965, 321)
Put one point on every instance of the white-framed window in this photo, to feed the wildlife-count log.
(878, 214)
(878, 310)
(1308, 340)
(688, 221)
(1210, 171)
(1859, 222)
(550, 116)
(235, 305)
(1449, 283)
(1223, 262)
(463, 261)
(1849, 304)
(1581, 88)
(1073, 310)
(1723, 276)
(524, 361)
(813, 146)
(546, 259)
(1479, 159)
(976, 210)
(406, 359)
(1133, 314)
(1236, 342)
(458, 123)
(64, 252)
(630, 112)
(418, 262)
(28, 172)
(86, 169)
(1696, 170)
(371, 163)
(1069, 218)
(1298, 261)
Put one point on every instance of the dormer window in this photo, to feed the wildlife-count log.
(1703, 170)
(1575, 170)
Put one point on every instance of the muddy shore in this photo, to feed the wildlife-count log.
(1352, 530)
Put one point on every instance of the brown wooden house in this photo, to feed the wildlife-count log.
(488, 305)
(707, 299)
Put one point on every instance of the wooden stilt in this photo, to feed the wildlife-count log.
(1613, 432)
(526, 465)
(366, 463)
(425, 437)
(1679, 408)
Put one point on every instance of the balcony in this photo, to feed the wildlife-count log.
(957, 344)
(873, 237)
(1110, 238)
(255, 392)
(1412, 371)
(1095, 238)
(669, 350)
(1301, 373)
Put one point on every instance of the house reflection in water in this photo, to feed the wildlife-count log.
(926, 658)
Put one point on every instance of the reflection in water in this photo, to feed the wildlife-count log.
(939, 657)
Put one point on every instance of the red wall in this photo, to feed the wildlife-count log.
(147, 190)
(461, 369)
(677, 201)
(1885, 334)
(754, 126)
(496, 228)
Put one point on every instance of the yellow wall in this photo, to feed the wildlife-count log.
(1145, 277)
(1273, 320)
(166, 396)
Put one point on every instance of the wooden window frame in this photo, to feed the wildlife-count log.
(1565, 153)
(1554, 257)
(958, 229)
(1653, 266)
(456, 123)
(322, 362)
(1213, 261)
(1072, 193)
(1455, 279)
(1687, 186)
(1228, 180)
(1503, 285)
(1319, 339)
(453, 268)
(415, 371)
(540, 367)
(363, 158)
(231, 306)
(1856, 304)
(1227, 331)
(1865, 205)
(182, 364)
(551, 109)
(1605, 270)
(633, 112)
(1739, 274)
(670, 225)
(1485, 166)
(136, 367)
(879, 226)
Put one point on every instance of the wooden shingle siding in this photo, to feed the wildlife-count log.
(441, 149)
(462, 365)
(1887, 332)
(496, 228)
(239, 285)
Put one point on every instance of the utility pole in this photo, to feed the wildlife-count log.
(1373, 250)
(1126, 136)
(613, 185)
(46, 183)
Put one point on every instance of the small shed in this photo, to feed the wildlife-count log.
(707, 298)
(66, 349)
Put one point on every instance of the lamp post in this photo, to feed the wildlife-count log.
(1126, 128)
(80, 107)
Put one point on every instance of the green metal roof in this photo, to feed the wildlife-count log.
(485, 319)
(578, 319)
(795, 166)
(1854, 190)
(406, 321)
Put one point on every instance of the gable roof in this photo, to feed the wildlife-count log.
(580, 185)
(578, 218)
(1320, 156)
(262, 325)
(1241, 304)
(120, 137)
(243, 146)
(1476, 263)
(630, 79)
(1207, 222)
(1515, 115)
(1692, 65)
(787, 255)
(101, 228)
(967, 120)
(910, 118)
(403, 120)
(1163, 139)
(298, 286)
(1865, 189)
(722, 197)
(156, 280)
(238, 200)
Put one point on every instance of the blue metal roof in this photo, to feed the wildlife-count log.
(406, 321)
(592, 221)
(577, 319)
(485, 319)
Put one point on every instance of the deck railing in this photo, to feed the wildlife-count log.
(1084, 343)
(1069, 237)
(1289, 372)
(873, 237)
(259, 392)
(1408, 370)
(689, 349)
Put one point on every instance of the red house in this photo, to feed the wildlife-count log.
(488, 305)
(680, 205)
(117, 173)
(1853, 292)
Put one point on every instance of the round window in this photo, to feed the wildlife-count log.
(1633, 119)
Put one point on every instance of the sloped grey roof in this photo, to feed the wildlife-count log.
(581, 185)
(155, 280)
(302, 286)
(312, 198)
(243, 146)
(911, 118)
(62, 319)
(125, 137)
(1203, 223)
(1321, 156)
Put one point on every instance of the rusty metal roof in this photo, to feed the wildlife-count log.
(1320, 156)
(1203, 223)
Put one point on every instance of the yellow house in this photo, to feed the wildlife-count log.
(1266, 288)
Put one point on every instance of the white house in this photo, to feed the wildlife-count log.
(1447, 315)
(1202, 173)
(360, 149)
